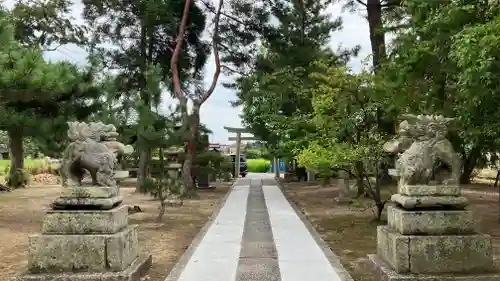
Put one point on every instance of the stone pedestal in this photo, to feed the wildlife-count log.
(203, 182)
(86, 236)
(431, 236)
(343, 187)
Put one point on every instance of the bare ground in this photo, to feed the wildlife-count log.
(350, 231)
(21, 212)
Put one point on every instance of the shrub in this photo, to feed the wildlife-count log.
(20, 179)
(258, 165)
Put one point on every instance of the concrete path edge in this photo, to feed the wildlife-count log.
(184, 259)
(332, 257)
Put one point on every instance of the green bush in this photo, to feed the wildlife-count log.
(258, 165)
(257, 153)
(253, 153)
(20, 178)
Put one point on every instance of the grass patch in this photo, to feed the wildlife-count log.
(32, 166)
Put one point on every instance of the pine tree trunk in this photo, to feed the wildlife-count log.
(359, 179)
(276, 167)
(144, 152)
(143, 169)
(193, 124)
(161, 193)
(468, 166)
(377, 35)
(16, 157)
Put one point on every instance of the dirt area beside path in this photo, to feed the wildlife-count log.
(350, 231)
(21, 212)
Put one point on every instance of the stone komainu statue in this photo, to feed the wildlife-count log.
(93, 148)
(425, 153)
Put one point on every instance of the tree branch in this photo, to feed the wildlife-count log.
(179, 93)
(211, 9)
(215, 45)
(362, 3)
(52, 49)
(232, 70)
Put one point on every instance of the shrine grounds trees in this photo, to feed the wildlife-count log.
(279, 92)
(35, 94)
(133, 79)
(295, 89)
(329, 118)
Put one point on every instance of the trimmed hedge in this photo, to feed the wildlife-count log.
(258, 165)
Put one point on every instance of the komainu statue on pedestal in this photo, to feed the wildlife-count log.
(426, 153)
(93, 148)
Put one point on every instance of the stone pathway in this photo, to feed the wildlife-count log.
(258, 236)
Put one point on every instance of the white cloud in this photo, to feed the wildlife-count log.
(217, 111)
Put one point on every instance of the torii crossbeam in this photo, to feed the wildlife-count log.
(238, 139)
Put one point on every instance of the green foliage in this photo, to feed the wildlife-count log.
(37, 96)
(143, 77)
(46, 24)
(213, 163)
(446, 62)
(256, 153)
(275, 104)
(345, 114)
(19, 178)
(258, 165)
(30, 144)
(31, 167)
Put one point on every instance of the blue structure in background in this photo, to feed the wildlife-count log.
(281, 166)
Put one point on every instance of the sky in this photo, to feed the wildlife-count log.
(217, 111)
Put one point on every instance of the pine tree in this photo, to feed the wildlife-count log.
(35, 94)
(293, 35)
(149, 28)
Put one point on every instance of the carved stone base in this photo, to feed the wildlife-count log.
(85, 221)
(433, 254)
(134, 272)
(54, 253)
(430, 222)
(385, 273)
(68, 203)
(429, 190)
(424, 202)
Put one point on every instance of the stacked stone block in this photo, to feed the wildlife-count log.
(86, 236)
(431, 236)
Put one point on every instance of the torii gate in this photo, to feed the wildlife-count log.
(238, 139)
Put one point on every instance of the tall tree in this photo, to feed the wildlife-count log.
(431, 71)
(35, 93)
(377, 12)
(345, 114)
(295, 34)
(144, 34)
(46, 24)
(191, 121)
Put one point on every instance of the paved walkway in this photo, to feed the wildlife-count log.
(258, 235)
